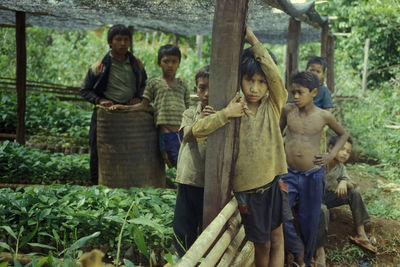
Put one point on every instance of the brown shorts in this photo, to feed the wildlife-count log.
(266, 211)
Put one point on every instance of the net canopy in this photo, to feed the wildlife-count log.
(268, 18)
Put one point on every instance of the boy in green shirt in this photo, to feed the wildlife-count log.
(188, 214)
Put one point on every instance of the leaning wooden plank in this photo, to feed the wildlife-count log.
(246, 253)
(216, 252)
(207, 237)
(231, 251)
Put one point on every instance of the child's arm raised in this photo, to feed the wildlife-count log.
(323, 159)
(187, 130)
(277, 91)
(209, 124)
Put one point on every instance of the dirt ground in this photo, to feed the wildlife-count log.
(384, 233)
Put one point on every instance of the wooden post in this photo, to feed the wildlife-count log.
(324, 40)
(21, 75)
(176, 39)
(365, 69)
(199, 46)
(330, 78)
(131, 30)
(226, 46)
(292, 57)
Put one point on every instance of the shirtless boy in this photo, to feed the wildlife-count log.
(306, 171)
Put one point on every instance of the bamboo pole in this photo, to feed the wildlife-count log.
(207, 237)
(244, 255)
(230, 252)
(223, 242)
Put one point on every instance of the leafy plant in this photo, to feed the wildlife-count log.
(63, 215)
(20, 164)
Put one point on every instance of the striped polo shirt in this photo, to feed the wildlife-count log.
(168, 103)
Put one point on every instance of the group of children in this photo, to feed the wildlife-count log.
(273, 174)
(279, 165)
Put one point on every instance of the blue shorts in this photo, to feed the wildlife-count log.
(170, 144)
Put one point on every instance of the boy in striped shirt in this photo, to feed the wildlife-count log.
(170, 97)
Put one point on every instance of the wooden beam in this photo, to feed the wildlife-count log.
(292, 48)
(226, 47)
(330, 77)
(324, 41)
(21, 75)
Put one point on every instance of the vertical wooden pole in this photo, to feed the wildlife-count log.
(365, 68)
(292, 48)
(330, 78)
(176, 39)
(226, 46)
(324, 40)
(199, 46)
(21, 75)
(131, 30)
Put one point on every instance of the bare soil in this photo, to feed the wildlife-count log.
(384, 233)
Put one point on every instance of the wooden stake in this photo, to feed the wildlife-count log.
(21, 75)
(292, 48)
(330, 77)
(226, 46)
(365, 68)
(324, 41)
(131, 30)
(199, 46)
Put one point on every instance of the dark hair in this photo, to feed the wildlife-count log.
(334, 138)
(203, 72)
(307, 79)
(249, 65)
(118, 29)
(317, 60)
(170, 50)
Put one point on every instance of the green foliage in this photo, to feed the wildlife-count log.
(376, 20)
(53, 55)
(346, 256)
(20, 164)
(368, 118)
(46, 116)
(62, 216)
(171, 176)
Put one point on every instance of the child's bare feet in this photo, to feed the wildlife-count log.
(320, 257)
(365, 243)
